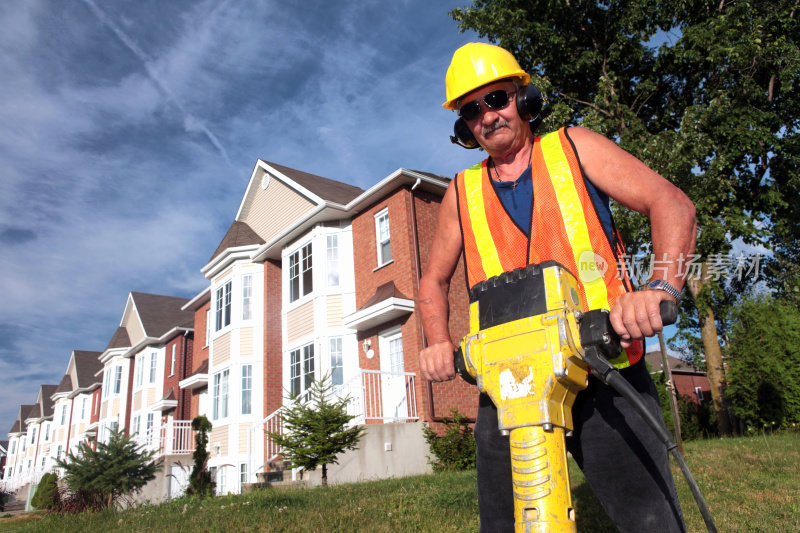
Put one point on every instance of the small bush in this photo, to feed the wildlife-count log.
(455, 448)
(46, 496)
(4, 497)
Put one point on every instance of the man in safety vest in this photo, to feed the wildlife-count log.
(544, 198)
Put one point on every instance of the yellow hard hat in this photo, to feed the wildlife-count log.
(477, 64)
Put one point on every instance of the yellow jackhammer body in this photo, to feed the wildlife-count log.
(529, 348)
(531, 366)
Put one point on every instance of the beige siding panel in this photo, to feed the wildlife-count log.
(243, 434)
(221, 349)
(273, 209)
(246, 342)
(151, 397)
(115, 407)
(104, 410)
(137, 400)
(219, 436)
(300, 322)
(334, 310)
(135, 330)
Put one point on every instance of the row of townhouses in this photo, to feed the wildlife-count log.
(314, 278)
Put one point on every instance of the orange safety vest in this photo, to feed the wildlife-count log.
(565, 228)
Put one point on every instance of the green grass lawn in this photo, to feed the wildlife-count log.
(750, 484)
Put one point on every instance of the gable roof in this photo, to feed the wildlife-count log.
(239, 234)
(120, 339)
(87, 364)
(327, 189)
(47, 400)
(15, 428)
(65, 385)
(675, 364)
(159, 313)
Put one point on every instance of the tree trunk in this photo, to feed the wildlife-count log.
(324, 475)
(713, 353)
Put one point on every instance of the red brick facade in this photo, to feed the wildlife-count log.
(413, 217)
(183, 345)
(273, 347)
(199, 356)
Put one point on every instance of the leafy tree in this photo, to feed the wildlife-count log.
(116, 468)
(703, 91)
(763, 356)
(454, 449)
(200, 481)
(316, 429)
(46, 496)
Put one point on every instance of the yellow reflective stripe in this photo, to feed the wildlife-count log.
(490, 258)
(575, 222)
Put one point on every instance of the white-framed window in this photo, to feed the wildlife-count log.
(332, 260)
(136, 424)
(699, 393)
(46, 429)
(63, 414)
(337, 370)
(114, 426)
(301, 279)
(382, 237)
(247, 389)
(149, 427)
(247, 297)
(13, 447)
(43, 461)
(117, 379)
(139, 379)
(301, 369)
(223, 306)
(220, 398)
(153, 366)
(83, 408)
(33, 436)
(106, 383)
(243, 472)
(172, 363)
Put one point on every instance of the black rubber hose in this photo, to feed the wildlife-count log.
(607, 373)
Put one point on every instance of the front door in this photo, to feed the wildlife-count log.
(393, 380)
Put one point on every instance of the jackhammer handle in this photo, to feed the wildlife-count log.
(461, 366)
(669, 312)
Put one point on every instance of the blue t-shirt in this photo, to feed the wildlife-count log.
(517, 199)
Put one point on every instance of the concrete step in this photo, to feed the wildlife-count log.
(16, 505)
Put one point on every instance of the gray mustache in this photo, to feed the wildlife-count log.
(486, 130)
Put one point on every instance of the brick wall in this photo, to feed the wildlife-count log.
(409, 211)
(183, 364)
(199, 354)
(273, 338)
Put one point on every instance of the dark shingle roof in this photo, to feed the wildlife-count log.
(675, 364)
(119, 340)
(87, 364)
(384, 292)
(15, 427)
(239, 234)
(159, 314)
(34, 412)
(65, 385)
(47, 401)
(327, 189)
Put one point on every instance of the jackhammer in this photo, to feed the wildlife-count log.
(530, 349)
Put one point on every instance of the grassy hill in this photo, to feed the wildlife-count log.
(751, 484)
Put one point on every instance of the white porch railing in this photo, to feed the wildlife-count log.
(173, 438)
(374, 396)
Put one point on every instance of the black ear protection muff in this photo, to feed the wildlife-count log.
(530, 106)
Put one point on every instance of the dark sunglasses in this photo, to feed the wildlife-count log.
(494, 100)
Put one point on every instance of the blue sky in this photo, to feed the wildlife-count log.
(129, 129)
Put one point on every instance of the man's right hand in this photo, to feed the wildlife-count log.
(436, 362)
